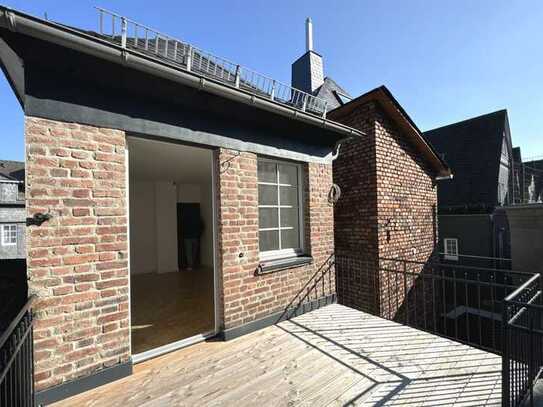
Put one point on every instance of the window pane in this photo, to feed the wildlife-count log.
(268, 240)
(267, 218)
(289, 196)
(289, 217)
(267, 172)
(290, 239)
(288, 174)
(267, 195)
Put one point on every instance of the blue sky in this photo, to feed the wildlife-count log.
(444, 61)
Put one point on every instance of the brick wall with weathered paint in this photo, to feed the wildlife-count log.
(77, 261)
(245, 295)
(387, 209)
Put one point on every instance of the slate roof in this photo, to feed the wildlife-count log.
(334, 94)
(472, 148)
(12, 170)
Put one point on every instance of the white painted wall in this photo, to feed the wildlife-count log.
(166, 226)
(143, 254)
(206, 209)
(189, 193)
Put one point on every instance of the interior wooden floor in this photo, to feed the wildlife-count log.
(168, 307)
(334, 356)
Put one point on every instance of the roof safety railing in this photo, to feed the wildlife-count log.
(133, 35)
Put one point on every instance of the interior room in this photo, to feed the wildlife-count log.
(171, 243)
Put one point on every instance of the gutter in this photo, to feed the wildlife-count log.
(69, 38)
(444, 177)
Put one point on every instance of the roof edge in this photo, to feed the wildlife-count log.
(387, 100)
(62, 35)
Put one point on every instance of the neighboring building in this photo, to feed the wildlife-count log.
(388, 207)
(126, 132)
(532, 176)
(526, 223)
(12, 210)
(388, 204)
(472, 221)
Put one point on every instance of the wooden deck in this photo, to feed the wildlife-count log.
(334, 356)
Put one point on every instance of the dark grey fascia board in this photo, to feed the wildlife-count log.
(18, 22)
(13, 70)
(275, 318)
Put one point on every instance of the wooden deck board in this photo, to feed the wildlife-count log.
(334, 356)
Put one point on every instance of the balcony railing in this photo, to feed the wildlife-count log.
(133, 35)
(16, 361)
(498, 310)
(522, 355)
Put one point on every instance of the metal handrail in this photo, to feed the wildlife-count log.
(523, 287)
(16, 359)
(202, 62)
(456, 266)
(11, 327)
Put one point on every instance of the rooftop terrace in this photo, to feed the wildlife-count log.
(333, 356)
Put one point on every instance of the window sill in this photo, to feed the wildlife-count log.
(271, 266)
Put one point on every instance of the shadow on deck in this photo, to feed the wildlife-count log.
(333, 356)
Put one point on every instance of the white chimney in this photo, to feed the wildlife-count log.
(308, 34)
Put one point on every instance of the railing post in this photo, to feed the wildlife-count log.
(304, 103)
(325, 109)
(123, 32)
(531, 361)
(101, 22)
(272, 95)
(505, 356)
(189, 59)
(237, 79)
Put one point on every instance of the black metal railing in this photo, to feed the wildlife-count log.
(460, 302)
(318, 290)
(498, 310)
(522, 355)
(16, 360)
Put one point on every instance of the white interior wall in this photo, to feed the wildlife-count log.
(155, 189)
(207, 216)
(143, 253)
(166, 226)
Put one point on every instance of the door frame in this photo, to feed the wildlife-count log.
(182, 343)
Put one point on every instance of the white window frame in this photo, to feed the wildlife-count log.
(284, 253)
(450, 255)
(8, 242)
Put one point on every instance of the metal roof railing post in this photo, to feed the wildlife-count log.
(238, 74)
(325, 109)
(123, 32)
(207, 64)
(272, 95)
(189, 58)
(101, 22)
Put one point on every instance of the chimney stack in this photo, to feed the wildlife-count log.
(307, 71)
(308, 34)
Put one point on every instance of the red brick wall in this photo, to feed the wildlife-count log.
(246, 296)
(387, 209)
(77, 261)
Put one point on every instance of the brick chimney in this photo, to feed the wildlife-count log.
(307, 71)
